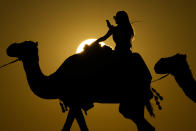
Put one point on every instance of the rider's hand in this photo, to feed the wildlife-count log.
(108, 24)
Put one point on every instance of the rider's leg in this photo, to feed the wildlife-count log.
(69, 121)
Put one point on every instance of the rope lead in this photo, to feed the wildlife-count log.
(10, 63)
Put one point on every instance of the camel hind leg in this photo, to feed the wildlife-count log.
(136, 114)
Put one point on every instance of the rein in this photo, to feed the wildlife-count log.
(10, 63)
(160, 78)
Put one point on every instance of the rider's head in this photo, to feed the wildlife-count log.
(122, 20)
(121, 17)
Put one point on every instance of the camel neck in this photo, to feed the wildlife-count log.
(41, 85)
(33, 70)
(184, 77)
(34, 75)
(186, 81)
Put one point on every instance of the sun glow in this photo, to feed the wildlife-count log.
(87, 42)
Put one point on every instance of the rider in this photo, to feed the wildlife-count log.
(122, 33)
(131, 106)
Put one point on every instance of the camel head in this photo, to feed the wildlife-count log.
(170, 64)
(26, 49)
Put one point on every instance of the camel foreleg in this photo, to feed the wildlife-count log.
(75, 113)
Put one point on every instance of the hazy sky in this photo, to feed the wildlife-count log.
(168, 27)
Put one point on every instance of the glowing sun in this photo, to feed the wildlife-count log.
(87, 42)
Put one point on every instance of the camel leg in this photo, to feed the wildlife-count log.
(143, 124)
(69, 121)
(75, 113)
(137, 116)
(81, 121)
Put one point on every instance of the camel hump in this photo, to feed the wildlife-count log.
(96, 48)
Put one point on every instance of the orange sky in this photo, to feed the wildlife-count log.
(167, 27)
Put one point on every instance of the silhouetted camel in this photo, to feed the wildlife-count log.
(178, 67)
(95, 75)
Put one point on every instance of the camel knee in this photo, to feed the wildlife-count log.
(125, 115)
(131, 112)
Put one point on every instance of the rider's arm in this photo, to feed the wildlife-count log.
(108, 34)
